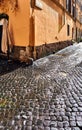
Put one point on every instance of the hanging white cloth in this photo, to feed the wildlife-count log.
(6, 42)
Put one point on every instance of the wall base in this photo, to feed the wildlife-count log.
(47, 49)
(36, 52)
(22, 53)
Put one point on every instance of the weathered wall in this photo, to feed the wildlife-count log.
(37, 31)
(19, 23)
(62, 34)
(47, 24)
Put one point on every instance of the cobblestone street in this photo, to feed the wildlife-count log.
(44, 96)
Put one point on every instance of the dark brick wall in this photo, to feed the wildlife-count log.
(47, 49)
(23, 53)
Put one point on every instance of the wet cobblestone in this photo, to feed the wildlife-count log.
(44, 96)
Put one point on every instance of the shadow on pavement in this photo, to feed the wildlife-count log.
(7, 66)
(79, 65)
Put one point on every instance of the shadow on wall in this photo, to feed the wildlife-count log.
(31, 36)
(12, 35)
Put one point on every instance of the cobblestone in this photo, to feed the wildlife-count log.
(75, 128)
(72, 123)
(44, 96)
(79, 123)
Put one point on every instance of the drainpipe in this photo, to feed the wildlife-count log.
(75, 20)
(33, 29)
(30, 49)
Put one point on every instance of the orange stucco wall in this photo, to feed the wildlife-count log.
(19, 23)
(45, 21)
(34, 26)
(47, 24)
(62, 35)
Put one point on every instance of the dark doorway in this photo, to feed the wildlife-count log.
(1, 27)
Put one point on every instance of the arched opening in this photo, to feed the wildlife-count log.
(4, 33)
(4, 16)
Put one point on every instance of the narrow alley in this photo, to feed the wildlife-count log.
(44, 96)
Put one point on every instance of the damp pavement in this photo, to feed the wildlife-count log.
(44, 96)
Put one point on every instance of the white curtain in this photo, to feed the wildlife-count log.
(6, 42)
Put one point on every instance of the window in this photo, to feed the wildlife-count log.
(61, 20)
(73, 11)
(68, 30)
(76, 33)
(76, 13)
(67, 2)
(72, 33)
(68, 5)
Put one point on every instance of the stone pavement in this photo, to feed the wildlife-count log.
(44, 96)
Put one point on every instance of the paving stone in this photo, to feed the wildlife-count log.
(1, 127)
(65, 124)
(75, 128)
(74, 109)
(80, 113)
(59, 118)
(72, 123)
(72, 101)
(34, 121)
(13, 122)
(65, 118)
(52, 128)
(60, 124)
(72, 118)
(47, 117)
(24, 116)
(73, 114)
(68, 109)
(30, 122)
(80, 98)
(68, 128)
(62, 113)
(68, 104)
(61, 128)
(47, 128)
(53, 124)
(47, 123)
(40, 127)
(41, 97)
(80, 104)
(18, 117)
(68, 114)
(52, 106)
(34, 128)
(80, 109)
(79, 118)
(56, 114)
(75, 105)
(79, 123)
(53, 118)
(24, 122)
(51, 113)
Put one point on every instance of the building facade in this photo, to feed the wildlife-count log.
(40, 27)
